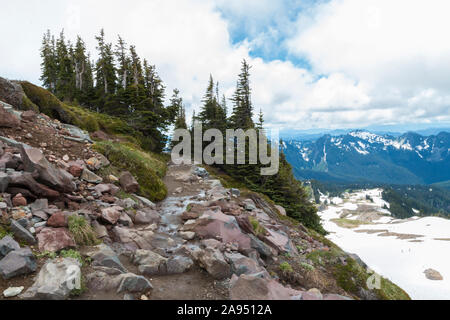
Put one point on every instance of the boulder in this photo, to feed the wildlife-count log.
(432, 274)
(216, 225)
(149, 262)
(19, 200)
(99, 229)
(256, 287)
(125, 220)
(235, 192)
(7, 119)
(103, 256)
(11, 92)
(145, 201)
(243, 265)
(39, 205)
(178, 264)
(9, 161)
(280, 241)
(75, 170)
(56, 280)
(25, 179)
(201, 172)
(281, 210)
(35, 161)
(111, 214)
(29, 116)
(17, 262)
(57, 220)
(133, 283)
(128, 182)
(55, 239)
(4, 182)
(8, 244)
(21, 233)
(146, 216)
(90, 177)
(214, 262)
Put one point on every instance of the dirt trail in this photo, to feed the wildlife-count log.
(196, 284)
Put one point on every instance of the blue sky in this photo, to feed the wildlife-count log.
(315, 64)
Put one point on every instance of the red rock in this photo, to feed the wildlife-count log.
(29, 115)
(57, 220)
(19, 200)
(249, 287)
(111, 214)
(128, 182)
(55, 239)
(7, 119)
(217, 225)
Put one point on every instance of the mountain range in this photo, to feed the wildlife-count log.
(363, 156)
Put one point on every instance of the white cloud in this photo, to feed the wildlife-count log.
(365, 69)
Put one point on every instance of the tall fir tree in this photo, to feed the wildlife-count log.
(49, 65)
(105, 68)
(65, 73)
(241, 117)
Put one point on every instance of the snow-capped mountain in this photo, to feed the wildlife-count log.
(365, 156)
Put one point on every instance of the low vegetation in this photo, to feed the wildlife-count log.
(81, 231)
(147, 169)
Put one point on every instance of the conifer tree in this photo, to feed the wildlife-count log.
(49, 66)
(65, 73)
(123, 69)
(241, 117)
(105, 69)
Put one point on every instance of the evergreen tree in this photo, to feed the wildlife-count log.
(242, 104)
(123, 70)
(105, 69)
(49, 66)
(65, 73)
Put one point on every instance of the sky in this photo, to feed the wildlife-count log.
(315, 64)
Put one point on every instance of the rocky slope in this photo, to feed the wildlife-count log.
(72, 230)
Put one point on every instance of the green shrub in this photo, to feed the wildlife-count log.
(142, 165)
(286, 267)
(81, 231)
(307, 266)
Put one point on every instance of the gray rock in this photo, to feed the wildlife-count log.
(104, 256)
(39, 205)
(179, 264)
(21, 233)
(214, 262)
(24, 222)
(145, 201)
(235, 192)
(77, 132)
(56, 280)
(146, 216)
(3, 205)
(432, 274)
(8, 244)
(149, 262)
(4, 182)
(201, 172)
(90, 177)
(17, 262)
(133, 283)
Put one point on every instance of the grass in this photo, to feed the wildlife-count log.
(257, 227)
(81, 231)
(145, 167)
(4, 232)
